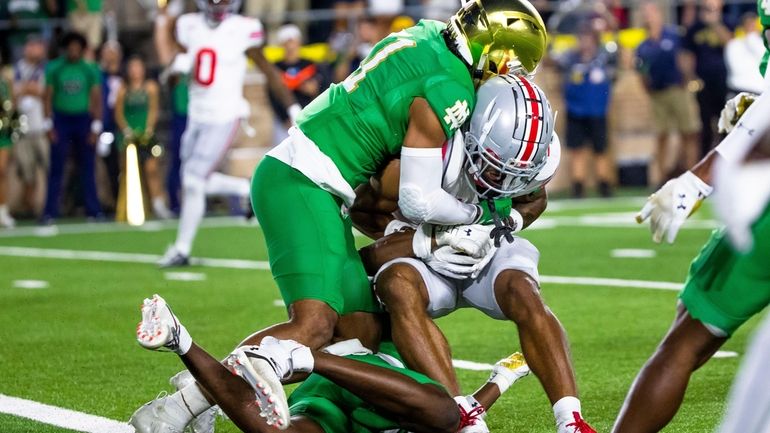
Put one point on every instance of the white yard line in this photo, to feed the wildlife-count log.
(104, 256)
(59, 417)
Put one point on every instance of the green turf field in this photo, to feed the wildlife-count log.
(72, 345)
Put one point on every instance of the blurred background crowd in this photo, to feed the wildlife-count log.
(638, 86)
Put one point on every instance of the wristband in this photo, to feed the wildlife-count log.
(517, 221)
(703, 188)
(97, 126)
(293, 112)
(47, 124)
(422, 242)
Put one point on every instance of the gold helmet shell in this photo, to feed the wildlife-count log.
(499, 36)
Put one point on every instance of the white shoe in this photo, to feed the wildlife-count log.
(7, 221)
(261, 375)
(161, 211)
(511, 368)
(471, 416)
(205, 422)
(159, 327)
(158, 416)
(173, 259)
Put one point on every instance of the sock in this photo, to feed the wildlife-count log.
(221, 184)
(194, 400)
(564, 410)
(159, 206)
(185, 341)
(193, 209)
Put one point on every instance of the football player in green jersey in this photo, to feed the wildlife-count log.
(350, 389)
(727, 284)
(406, 99)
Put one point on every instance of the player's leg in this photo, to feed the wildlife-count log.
(659, 388)
(161, 328)
(402, 286)
(724, 289)
(508, 289)
(409, 399)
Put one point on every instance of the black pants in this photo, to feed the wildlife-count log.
(711, 100)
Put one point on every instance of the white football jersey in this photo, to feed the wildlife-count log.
(217, 64)
(455, 179)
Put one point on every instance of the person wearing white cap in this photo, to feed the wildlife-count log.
(301, 76)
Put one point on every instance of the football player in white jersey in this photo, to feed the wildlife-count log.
(213, 47)
(510, 154)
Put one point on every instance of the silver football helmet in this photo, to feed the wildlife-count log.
(217, 11)
(508, 137)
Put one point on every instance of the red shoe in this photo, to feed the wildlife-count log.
(580, 425)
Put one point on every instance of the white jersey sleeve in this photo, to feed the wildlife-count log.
(254, 33)
(186, 26)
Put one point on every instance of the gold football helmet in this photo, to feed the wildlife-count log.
(499, 36)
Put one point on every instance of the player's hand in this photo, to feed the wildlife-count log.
(733, 110)
(454, 264)
(670, 206)
(473, 240)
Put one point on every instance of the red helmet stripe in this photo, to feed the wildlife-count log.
(535, 129)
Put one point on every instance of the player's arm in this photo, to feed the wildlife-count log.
(421, 197)
(154, 106)
(531, 206)
(120, 113)
(275, 82)
(386, 249)
(377, 201)
(166, 45)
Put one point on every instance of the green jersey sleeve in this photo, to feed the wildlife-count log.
(763, 8)
(451, 101)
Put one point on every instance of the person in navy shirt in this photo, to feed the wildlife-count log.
(706, 41)
(588, 73)
(674, 107)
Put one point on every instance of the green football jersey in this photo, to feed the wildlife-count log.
(72, 83)
(361, 122)
(763, 7)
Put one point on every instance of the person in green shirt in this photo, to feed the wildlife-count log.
(136, 114)
(73, 108)
(6, 141)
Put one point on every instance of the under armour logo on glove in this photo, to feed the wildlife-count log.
(468, 232)
(682, 205)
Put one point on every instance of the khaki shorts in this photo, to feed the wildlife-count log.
(31, 154)
(675, 110)
(90, 25)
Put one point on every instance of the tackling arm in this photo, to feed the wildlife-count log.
(531, 206)
(421, 197)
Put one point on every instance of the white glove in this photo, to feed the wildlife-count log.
(672, 204)
(473, 240)
(733, 110)
(454, 264)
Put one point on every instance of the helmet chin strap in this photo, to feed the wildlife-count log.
(501, 230)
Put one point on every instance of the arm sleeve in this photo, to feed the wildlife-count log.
(184, 26)
(254, 33)
(451, 102)
(421, 198)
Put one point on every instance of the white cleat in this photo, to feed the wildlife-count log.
(157, 416)
(471, 416)
(512, 368)
(205, 422)
(261, 375)
(159, 327)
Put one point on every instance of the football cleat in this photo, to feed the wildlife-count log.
(579, 425)
(158, 416)
(512, 368)
(159, 327)
(471, 416)
(203, 423)
(261, 375)
(173, 259)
